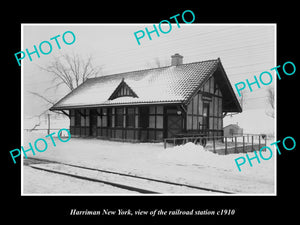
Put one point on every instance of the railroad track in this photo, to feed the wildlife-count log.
(140, 184)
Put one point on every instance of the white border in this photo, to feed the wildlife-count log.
(22, 109)
(134, 24)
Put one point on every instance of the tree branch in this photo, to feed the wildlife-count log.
(71, 70)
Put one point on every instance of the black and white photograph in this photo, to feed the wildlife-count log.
(164, 109)
(149, 113)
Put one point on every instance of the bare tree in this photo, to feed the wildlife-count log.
(49, 102)
(157, 63)
(71, 70)
(242, 99)
(271, 101)
(68, 70)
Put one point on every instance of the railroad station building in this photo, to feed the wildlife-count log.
(152, 104)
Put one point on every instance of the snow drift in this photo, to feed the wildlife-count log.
(191, 154)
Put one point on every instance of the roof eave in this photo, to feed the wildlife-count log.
(115, 104)
(237, 103)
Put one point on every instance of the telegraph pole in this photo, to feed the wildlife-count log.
(48, 131)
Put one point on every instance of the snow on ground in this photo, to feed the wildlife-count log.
(59, 184)
(188, 164)
(190, 154)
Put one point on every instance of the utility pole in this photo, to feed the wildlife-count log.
(48, 131)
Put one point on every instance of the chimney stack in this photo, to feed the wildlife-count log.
(176, 59)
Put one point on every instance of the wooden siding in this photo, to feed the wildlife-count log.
(153, 122)
(115, 123)
(208, 99)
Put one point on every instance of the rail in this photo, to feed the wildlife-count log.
(141, 184)
(234, 144)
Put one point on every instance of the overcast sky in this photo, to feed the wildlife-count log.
(244, 50)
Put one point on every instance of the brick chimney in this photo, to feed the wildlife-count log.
(176, 59)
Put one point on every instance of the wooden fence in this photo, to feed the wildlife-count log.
(222, 144)
(47, 131)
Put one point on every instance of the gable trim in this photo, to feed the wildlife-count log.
(122, 84)
(239, 108)
(227, 82)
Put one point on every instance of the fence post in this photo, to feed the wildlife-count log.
(258, 142)
(174, 141)
(195, 141)
(225, 145)
(165, 143)
(235, 144)
(48, 130)
(243, 144)
(266, 140)
(214, 145)
(252, 143)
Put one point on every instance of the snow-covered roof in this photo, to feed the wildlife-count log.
(171, 84)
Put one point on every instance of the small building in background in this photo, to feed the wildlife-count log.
(232, 130)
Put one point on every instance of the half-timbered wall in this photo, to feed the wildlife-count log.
(133, 123)
(147, 123)
(155, 123)
(204, 111)
(80, 122)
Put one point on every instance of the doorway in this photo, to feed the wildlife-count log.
(205, 117)
(173, 122)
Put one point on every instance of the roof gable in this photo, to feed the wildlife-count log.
(164, 85)
(230, 101)
(122, 90)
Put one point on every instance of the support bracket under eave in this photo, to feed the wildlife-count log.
(184, 109)
(68, 115)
